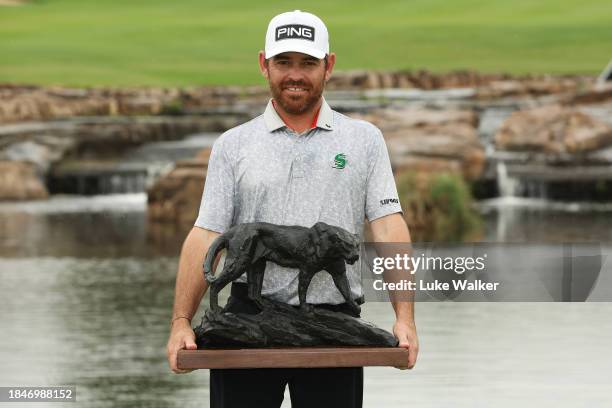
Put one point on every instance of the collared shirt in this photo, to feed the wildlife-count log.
(274, 121)
(337, 172)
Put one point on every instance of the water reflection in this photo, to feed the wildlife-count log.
(512, 219)
(99, 323)
(107, 229)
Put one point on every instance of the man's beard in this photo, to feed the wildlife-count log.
(296, 106)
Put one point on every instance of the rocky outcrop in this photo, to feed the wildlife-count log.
(592, 95)
(554, 130)
(490, 85)
(20, 181)
(533, 87)
(362, 79)
(41, 151)
(435, 148)
(27, 103)
(398, 119)
(176, 197)
(431, 140)
(46, 143)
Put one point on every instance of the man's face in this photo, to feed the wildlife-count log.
(296, 80)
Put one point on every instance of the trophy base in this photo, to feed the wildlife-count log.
(297, 357)
(281, 325)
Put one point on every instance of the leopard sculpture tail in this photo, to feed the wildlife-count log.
(218, 244)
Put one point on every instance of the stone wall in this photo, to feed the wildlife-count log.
(26, 103)
(488, 85)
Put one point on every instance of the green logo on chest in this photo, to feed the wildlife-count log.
(339, 161)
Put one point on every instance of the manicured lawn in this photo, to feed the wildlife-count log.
(189, 42)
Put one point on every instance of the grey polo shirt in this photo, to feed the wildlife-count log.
(337, 172)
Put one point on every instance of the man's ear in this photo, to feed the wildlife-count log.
(263, 66)
(331, 61)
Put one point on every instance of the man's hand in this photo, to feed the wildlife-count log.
(190, 287)
(407, 336)
(181, 337)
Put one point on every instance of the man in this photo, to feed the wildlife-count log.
(297, 164)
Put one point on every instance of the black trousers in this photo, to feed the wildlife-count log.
(265, 387)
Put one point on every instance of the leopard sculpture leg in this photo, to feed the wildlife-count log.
(337, 270)
(235, 265)
(305, 277)
(255, 277)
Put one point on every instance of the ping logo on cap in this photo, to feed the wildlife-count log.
(288, 31)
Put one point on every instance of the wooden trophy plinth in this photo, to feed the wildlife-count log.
(296, 357)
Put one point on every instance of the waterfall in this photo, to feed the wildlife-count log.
(105, 178)
(506, 185)
(134, 172)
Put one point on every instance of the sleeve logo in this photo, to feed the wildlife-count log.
(389, 201)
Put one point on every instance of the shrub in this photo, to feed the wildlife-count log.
(438, 207)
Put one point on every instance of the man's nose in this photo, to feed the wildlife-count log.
(296, 73)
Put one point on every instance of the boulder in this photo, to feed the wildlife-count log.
(553, 129)
(175, 197)
(46, 144)
(422, 79)
(593, 95)
(545, 85)
(490, 85)
(41, 151)
(20, 181)
(431, 140)
(392, 119)
(426, 148)
(36, 104)
(27, 103)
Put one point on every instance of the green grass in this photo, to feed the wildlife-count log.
(189, 42)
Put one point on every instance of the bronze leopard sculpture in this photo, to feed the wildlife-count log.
(310, 250)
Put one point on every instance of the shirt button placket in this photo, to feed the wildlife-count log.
(299, 157)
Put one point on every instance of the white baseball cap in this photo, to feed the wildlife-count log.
(297, 31)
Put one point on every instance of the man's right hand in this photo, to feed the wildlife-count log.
(182, 337)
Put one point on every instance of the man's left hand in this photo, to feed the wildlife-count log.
(407, 336)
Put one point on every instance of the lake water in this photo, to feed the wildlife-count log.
(86, 295)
